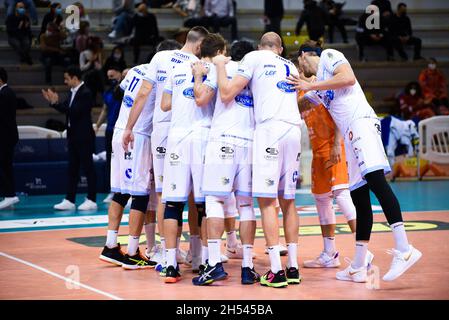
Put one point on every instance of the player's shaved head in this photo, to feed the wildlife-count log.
(196, 34)
(271, 41)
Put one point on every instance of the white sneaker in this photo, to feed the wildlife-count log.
(65, 205)
(113, 34)
(234, 252)
(8, 202)
(352, 274)
(181, 256)
(224, 258)
(108, 199)
(155, 254)
(369, 258)
(401, 262)
(324, 261)
(88, 205)
(282, 250)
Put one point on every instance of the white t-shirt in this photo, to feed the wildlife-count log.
(160, 68)
(186, 115)
(344, 104)
(131, 86)
(234, 120)
(274, 98)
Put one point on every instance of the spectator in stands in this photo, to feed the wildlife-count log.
(220, 13)
(412, 105)
(55, 16)
(112, 98)
(124, 13)
(10, 136)
(384, 7)
(196, 15)
(51, 51)
(80, 137)
(19, 33)
(334, 18)
(365, 36)
(116, 59)
(273, 15)
(145, 30)
(401, 30)
(315, 19)
(28, 4)
(434, 86)
(82, 37)
(83, 15)
(91, 64)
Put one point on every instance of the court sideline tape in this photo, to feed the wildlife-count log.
(76, 283)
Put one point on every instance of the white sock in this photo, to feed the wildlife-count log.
(231, 239)
(171, 257)
(247, 256)
(292, 260)
(164, 254)
(195, 245)
(275, 258)
(360, 254)
(214, 251)
(329, 245)
(400, 237)
(150, 234)
(133, 245)
(204, 254)
(111, 239)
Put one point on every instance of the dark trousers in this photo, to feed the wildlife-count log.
(412, 41)
(315, 34)
(217, 22)
(80, 155)
(137, 43)
(22, 45)
(274, 25)
(108, 142)
(364, 40)
(7, 188)
(50, 59)
(335, 22)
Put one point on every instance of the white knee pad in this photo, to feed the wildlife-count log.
(344, 201)
(230, 207)
(246, 208)
(215, 207)
(325, 208)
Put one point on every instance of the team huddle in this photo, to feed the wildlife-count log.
(197, 126)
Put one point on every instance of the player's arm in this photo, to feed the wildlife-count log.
(336, 150)
(202, 92)
(228, 88)
(101, 117)
(166, 101)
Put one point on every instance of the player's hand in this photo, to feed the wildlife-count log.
(220, 59)
(299, 83)
(335, 156)
(199, 69)
(128, 140)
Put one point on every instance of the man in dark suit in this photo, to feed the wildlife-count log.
(80, 137)
(10, 136)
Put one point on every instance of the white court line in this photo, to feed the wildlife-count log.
(76, 283)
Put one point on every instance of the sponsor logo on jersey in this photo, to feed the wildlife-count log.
(245, 100)
(174, 156)
(128, 173)
(270, 73)
(128, 155)
(178, 82)
(128, 101)
(271, 154)
(295, 176)
(226, 153)
(173, 186)
(161, 78)
(188, 93)
(286, 87)
(269, 182)
(160, 150)
(225, 180)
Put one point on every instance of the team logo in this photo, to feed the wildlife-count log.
(226, 152)
(160, 150)
(173, 186)
(128, 173)
(272, 154)
(188, 93)
(269, 182)
(244, 100)
(128, 101)
(225, 180)
(286, 87)
(350, 136)
(174, 156)
(128, 155)
(295, 176)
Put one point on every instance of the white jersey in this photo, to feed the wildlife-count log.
(160, 68)
(131, 86)
(274, 98)
(234, 120)
(344, 104)
(186, 115)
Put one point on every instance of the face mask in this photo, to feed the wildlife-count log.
(48, 33)
(412, 92)
(113, 82)
(58, 11)
(117, 56)
(21, 11)
(432, 66)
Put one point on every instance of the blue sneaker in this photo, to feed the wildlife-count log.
(249, 275)
(158, 267)
(210, 274)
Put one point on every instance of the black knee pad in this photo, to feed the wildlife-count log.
(201, 208)
(121, 199)
(140, 203)
(173, 210)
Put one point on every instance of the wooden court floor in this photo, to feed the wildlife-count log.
(64, 264)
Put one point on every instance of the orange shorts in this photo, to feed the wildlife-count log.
(327, 177)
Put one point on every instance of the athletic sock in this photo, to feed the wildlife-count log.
(275, 258)
(204, 254)
(247, 260)
(231, 239)
(178, 241)
(360, 254)
(164, 254)
(400, 237)
(292, 255)
(213, 246)
(171, 257)
(133, 245)
(111, 239)
(150, 234)
(195, 245)
(329, 245)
